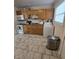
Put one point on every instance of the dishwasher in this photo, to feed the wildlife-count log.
(48, 29)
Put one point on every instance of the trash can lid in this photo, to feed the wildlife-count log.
(53, 37)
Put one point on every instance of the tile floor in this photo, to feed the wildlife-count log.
(32, 47)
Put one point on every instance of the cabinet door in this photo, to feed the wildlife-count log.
(40, 29)
(37, 30)
(27, 29)
(19, 12)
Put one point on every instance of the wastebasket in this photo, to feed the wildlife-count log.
(53, 42)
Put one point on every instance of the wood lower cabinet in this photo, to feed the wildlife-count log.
(27, 29)
(33, 29)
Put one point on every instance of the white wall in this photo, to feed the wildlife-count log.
(59, 31)
(15, 22)
(63, 51)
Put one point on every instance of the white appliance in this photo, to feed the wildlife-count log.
(20, 22)
(20, 29)
(20, 17)
(48, 29)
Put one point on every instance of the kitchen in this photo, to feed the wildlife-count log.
(35, 21)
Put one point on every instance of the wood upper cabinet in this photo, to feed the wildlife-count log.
(48, 13)
(18, 12)
(41, 13)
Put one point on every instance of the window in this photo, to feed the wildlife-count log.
(59, 13)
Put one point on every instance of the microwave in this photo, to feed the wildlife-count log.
(20, 17)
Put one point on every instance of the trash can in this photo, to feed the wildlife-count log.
(53, 42)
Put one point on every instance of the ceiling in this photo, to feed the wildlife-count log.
(30, 3)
